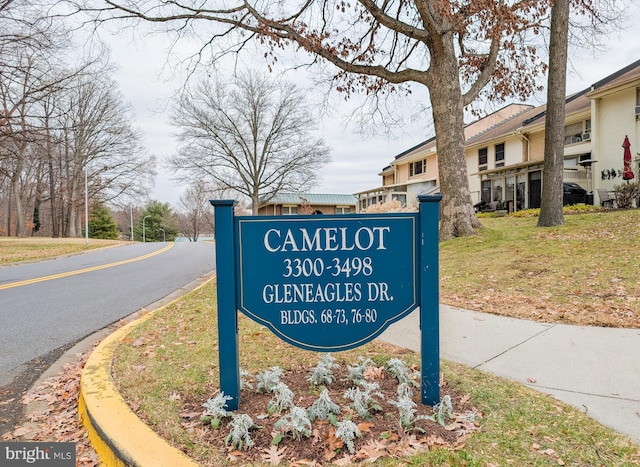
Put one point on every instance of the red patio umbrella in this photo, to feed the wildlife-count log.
(627, 173)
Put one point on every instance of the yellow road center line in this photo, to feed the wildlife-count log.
(82, 271)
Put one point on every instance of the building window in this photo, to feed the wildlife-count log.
(482, 158)
(343, 209)
(496, 187)
(418, 167)
(573, 133)
(500, 155)
(289, 210)
(485, 191)
(401, 198)
(577, 132)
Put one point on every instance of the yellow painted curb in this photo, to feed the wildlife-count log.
(119, 437)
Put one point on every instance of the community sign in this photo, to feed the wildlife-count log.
(327, 285)
(326, 282)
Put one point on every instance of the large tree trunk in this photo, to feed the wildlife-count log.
(52, 181)
(551, 204)
(73, 208)
(458, 217)
(55, 230)
(20, 222)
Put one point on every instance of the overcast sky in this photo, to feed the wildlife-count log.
(356, 160)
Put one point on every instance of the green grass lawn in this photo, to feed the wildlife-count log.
(583, 272)
(14, 250)
(172, 359)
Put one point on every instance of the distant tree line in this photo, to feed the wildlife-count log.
(65, 133)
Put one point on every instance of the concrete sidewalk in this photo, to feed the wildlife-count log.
(594, 369)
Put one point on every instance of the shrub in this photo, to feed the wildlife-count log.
(389, 206)
(626, 194)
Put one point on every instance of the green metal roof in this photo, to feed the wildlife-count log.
(316, 199)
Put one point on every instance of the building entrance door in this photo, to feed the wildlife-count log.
(535, 188)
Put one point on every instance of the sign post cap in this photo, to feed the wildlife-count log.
(222, 202)
(430, 198)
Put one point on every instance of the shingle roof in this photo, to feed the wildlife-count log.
(576, 102)
(316, 199)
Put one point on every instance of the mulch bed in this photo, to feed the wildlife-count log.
(382, 435)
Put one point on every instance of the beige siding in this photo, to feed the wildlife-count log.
(536, 146)
(614, 119)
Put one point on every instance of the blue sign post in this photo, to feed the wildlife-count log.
(327, 283)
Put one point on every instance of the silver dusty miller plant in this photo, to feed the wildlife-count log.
(399, 369)
(356, 372)
(323, 408)
(407, 409)
(282, 399)
(363, 398)
(267, 379)
(322, 373)
(239, 436)
(245, 379)
(348, 431)
(296, 423)
(443, 410)
(216, 409)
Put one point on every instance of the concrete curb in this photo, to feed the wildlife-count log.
(119, 437)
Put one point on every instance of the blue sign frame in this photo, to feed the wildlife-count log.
(327, 283)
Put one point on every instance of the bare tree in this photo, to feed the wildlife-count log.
(23, 23)
(252, 136)
(194, 211)
(458, 50)
(96, 135)
(22, 85)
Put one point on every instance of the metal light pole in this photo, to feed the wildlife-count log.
(86, 208)
(144, 237)
(164, 235)
(587, 166)
(131, 219)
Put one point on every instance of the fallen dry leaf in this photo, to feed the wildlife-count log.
(365, 426)
(273, 455)
(21, 431)
(371, 451)
(373, 373)
(58, 421)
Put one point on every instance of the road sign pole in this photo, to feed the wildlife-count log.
(227, 310)
(429, 298)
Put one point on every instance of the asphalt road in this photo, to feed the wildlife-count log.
(48, 305)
